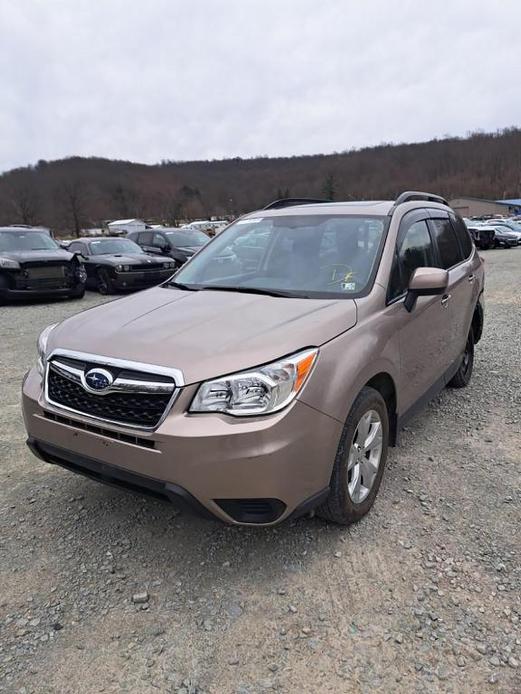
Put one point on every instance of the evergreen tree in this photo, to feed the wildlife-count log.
(329, 188)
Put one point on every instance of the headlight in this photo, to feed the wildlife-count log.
(119, 268)
(168, 266)
(259, 391)
(42, 347)
(9, 264)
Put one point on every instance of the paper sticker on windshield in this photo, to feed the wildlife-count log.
(253, 220)
(349, 286)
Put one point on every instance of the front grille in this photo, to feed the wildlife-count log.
(141, 409)
(45, 276)
(149, 268)
(45, 272)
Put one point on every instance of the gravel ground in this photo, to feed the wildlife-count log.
(102, 591)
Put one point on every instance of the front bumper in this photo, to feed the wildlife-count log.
(243, 471)
(140, 280)
(9, 294)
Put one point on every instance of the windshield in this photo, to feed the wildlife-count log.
(114, 247)
(317, 256)
(187, 238)
(26, 241)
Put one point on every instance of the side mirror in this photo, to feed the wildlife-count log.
(425, 281)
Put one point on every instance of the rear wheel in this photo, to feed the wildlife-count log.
(463, 375)
(360, 460)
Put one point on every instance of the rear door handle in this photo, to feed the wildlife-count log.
(445, 299)
(471, 278)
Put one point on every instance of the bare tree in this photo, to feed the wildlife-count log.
(72, 195)
(25, 203)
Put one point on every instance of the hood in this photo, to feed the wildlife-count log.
(121, 259)
(205, 334)
(38, 256)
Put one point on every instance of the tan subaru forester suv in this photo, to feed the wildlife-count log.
(269, 375)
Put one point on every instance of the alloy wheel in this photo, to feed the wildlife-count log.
(365, 455)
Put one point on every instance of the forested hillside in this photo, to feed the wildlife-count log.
(76, 192)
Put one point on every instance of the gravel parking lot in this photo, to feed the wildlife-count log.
(103, 591)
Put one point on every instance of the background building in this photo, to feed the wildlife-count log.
(123, 226)
(475, 207)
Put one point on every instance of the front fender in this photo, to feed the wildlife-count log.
(345, 365)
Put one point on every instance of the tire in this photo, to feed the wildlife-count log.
(4, 285)
(464, 373)
(103, 282)
(342, 505)
(78, 294)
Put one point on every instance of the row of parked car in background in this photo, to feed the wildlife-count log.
(495, 232)
(34, 264)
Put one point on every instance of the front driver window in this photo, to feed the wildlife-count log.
(414, 249)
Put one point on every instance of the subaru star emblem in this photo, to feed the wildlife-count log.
(99, 379)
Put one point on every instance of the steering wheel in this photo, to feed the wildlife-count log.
(338, 273)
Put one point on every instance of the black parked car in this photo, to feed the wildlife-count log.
(118, 264)
(179, 244)
(512, 232)
(484, 236)
(505, 237)
(32, 265)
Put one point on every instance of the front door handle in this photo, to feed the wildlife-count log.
(471, 278)
(445, 299)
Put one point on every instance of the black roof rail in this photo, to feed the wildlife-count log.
(410, 195)
(290, 202)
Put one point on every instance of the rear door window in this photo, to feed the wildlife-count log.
(463, 235)
(449, 251)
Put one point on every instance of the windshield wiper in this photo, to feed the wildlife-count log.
(255, 290)
(180, 285)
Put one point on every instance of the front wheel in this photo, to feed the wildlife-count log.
(104, 283)
(360, 460)
(78, 293)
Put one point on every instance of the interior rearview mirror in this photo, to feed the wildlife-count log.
(425, 281)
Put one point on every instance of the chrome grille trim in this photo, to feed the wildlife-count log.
(73, 374)
(120, 385)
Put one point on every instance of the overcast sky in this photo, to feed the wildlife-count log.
(147, 80)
